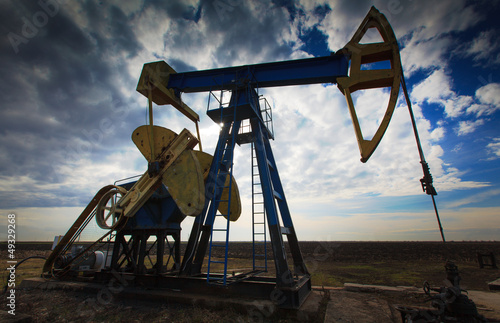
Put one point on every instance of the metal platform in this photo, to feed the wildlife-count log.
(251, 288)
(191, 290)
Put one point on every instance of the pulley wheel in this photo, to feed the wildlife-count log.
(108, 212)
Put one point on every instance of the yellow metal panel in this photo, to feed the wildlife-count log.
(184, 181)
(359, 79)
(146, 185)
(162, 136)
(235, 211)
(155, 76)
(205, 162)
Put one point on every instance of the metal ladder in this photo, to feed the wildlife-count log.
(224, 170)
(259, 239)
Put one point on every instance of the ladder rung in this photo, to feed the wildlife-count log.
(217, 262)
(219, 230)
(218, 245)
(277, 195)
(259, 233)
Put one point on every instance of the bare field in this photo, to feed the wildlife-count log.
(336, 263)
(330, 264)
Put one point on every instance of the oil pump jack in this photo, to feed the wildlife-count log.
(181, 181)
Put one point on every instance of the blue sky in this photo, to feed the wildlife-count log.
(70, 68)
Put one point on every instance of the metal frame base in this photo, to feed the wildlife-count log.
(254, 288)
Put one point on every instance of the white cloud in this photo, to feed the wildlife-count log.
(77, 175)
(483, 48)
(425, 54)
(489, 95)
(456, 105)
(473, 199)
(130, 6)
(494, 148)
(458, 147)
(458, 224)
(41, 223)
(479, 109)
(437, 134)
(468, 126)
(437, 89)
(451, 180)
(318, 156)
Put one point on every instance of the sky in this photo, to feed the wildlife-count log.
(68, 107)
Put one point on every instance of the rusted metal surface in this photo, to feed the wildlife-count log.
(449, 303)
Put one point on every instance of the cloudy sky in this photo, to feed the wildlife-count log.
(68, 107)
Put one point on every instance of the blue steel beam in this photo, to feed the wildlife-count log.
(294, 72)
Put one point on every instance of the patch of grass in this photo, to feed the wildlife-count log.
(323, 279)
(396, 273)
(28, 269)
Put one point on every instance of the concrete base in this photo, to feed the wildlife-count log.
(259, 309)
(494, 285)
(381, 289)
(486, 300)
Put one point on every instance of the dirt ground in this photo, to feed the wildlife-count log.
(330, 263)
(70, 306)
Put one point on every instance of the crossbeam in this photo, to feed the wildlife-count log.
(315, 70)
